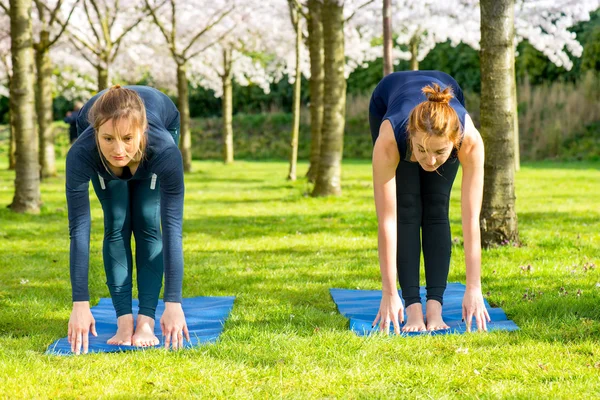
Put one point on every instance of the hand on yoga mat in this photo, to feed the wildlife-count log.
(173, 326)
(390, 311)
(473, 306)
(81, 324)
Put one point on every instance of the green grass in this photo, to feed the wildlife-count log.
(250, 233)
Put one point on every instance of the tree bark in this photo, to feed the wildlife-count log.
(102, 74)
(183, 103)
(498, 215)
(227, 108)
(43, 103)
(12, 146)
(296, 106)
(27, 179)
(388, 66)
(328, 180)
(315, 47)
(516, 120)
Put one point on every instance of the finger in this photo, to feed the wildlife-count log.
(401, 315)
(69, 333)
(487, 315)
(377, 318)
(469, 320)
(167, 339)
(85, 342)
(483, 322)
(396, 325)
(186, 332)
(73, 340)
(387, 326)
(78, 343)
(180, 340)
(93, 328)
(479, 320)
(162, 328)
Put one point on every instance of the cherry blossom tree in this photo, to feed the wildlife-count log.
(189, 32)
(98, 31)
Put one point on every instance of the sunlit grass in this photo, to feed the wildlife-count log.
(250, 233)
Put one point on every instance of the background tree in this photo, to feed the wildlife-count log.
(388, 66)
(328, 180)
(296, 19)
(498, 213)
(5, 77)
(185, 29)
(99, 29)
(48, 31)
(247, 53)
(27, 180)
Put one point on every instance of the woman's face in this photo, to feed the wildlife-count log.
(120, 143)
(430, 153)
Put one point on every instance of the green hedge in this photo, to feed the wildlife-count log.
(268, 136)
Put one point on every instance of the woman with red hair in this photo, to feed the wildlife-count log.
(421, 133)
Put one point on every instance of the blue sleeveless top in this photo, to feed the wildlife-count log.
(398, 93)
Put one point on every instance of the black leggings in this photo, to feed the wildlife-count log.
(422, 201)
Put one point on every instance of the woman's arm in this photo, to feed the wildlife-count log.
(385, 161)
(471, 156)
(169, 169)
(78, 172)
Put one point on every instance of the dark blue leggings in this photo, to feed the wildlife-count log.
(422, 202)
(132, 207)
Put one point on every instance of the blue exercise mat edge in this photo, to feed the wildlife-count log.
(205, 317)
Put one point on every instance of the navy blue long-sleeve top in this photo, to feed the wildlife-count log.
(398, 93)
(162, 157)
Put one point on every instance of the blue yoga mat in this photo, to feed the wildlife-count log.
(205, 317)
(361, 307)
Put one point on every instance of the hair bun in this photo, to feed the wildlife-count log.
(435, 93)
(116, 87)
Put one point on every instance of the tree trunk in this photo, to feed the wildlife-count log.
(12, 145)
(43, 103)
(227, 107)
(183, 103)
(388, 66)
(296, 106)
(516, 121)
(315, 46)
(498, 215)
(332, 142)
(27, 179)
(414, 51)
(102, 73)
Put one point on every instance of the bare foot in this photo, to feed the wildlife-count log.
(144, 332)
(434, 316)
(124, 331)
(414, 318)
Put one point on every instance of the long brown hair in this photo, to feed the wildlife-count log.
(435, 116)
(119, 103)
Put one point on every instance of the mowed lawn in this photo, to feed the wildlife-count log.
(250, 233)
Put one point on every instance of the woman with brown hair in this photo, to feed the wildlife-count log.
(421, 133)
(127, 146)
